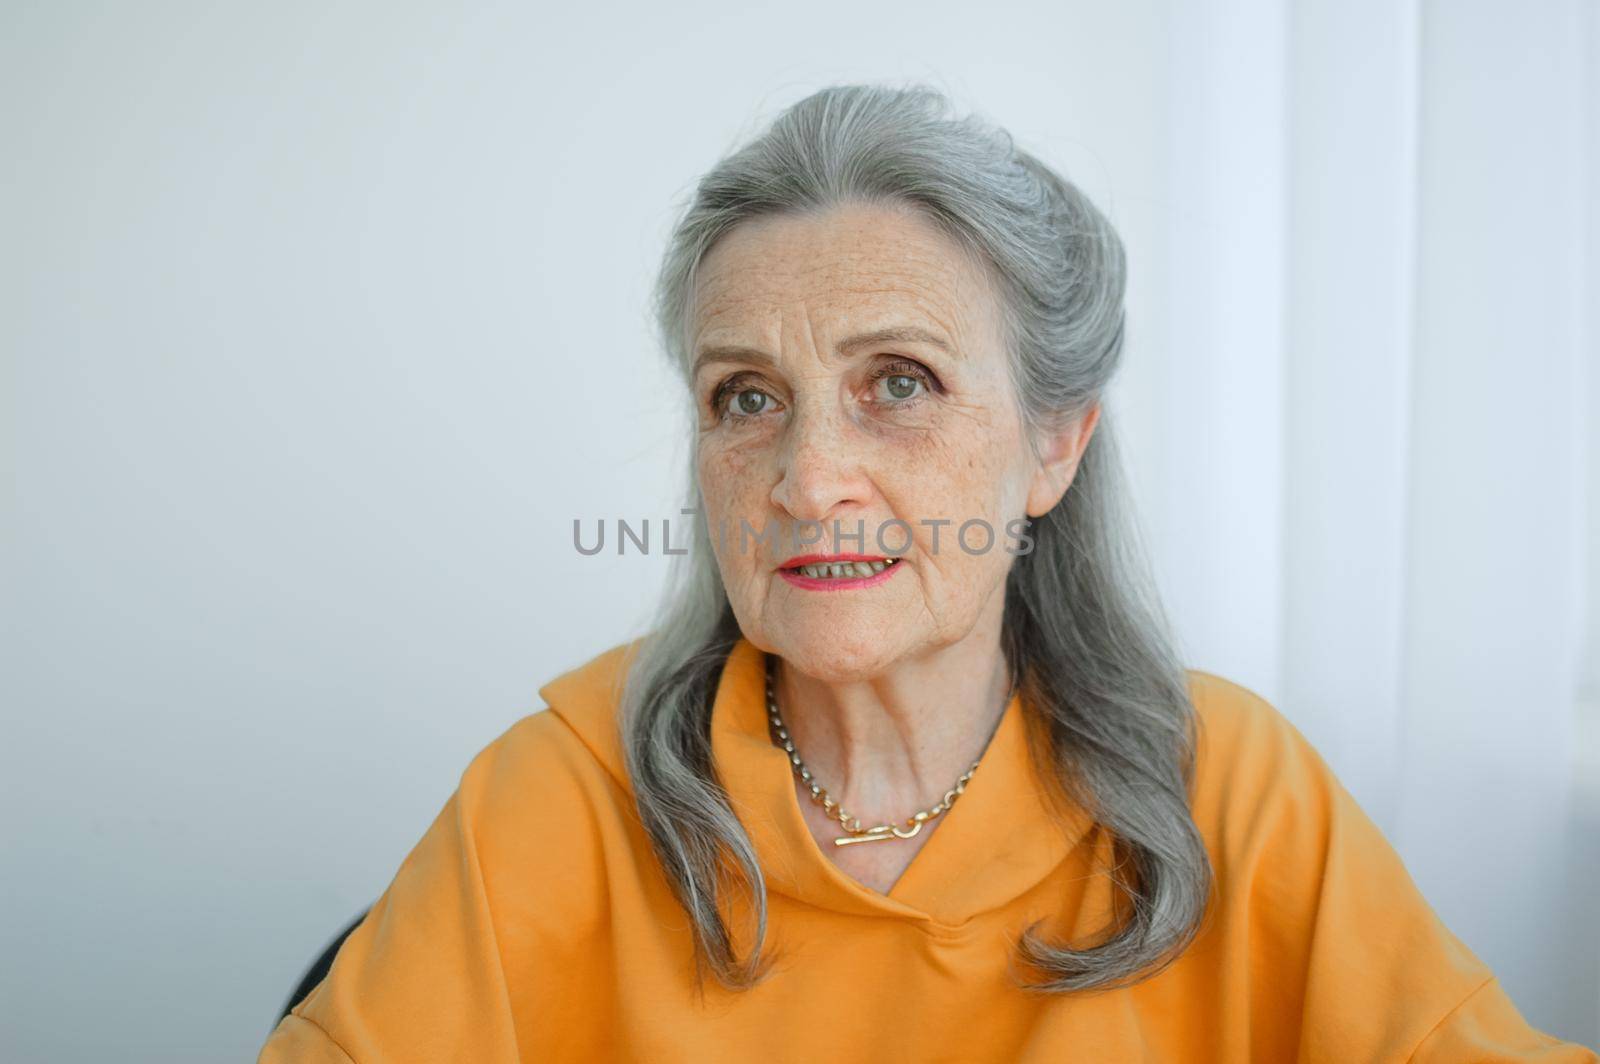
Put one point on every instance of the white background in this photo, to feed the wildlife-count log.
(321, 323)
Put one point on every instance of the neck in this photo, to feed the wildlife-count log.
(892, 744)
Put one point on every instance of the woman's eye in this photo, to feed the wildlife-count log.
(748, 402)
(898, 384)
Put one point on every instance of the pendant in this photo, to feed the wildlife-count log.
(879, 834)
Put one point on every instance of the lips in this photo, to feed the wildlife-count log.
(839, 566)
(838, 572)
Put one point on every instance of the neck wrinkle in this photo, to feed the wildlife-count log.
(885, 755)
(996, 844)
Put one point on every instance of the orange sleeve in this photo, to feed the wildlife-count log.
(1354, 962)
(300, 1040)
(421, 978)
(1486, 1028)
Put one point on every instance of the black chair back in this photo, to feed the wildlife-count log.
(319, 967)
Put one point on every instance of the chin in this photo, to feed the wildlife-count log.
(835, 652)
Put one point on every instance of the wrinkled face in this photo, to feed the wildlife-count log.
(850, 368)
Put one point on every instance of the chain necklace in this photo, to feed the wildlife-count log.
(820, 795)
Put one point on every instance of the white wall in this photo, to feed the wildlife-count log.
(322, 322)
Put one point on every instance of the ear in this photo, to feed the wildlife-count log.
(1058, 462)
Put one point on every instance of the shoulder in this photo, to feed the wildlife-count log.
(572, 745)
(1292, 845)
(1301, 866)
(1248, 751)
(587, 699)
(1234, 714)
(545, 802)
(1268, 805)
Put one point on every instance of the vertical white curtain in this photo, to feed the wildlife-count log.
(1377, 486)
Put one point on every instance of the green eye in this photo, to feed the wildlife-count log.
(750, 402)
(898, 387)
(902, 383)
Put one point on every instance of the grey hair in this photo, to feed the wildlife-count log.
(1110, 719)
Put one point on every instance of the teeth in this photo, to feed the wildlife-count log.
(844, 570)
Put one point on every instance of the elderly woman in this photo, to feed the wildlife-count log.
(909, 768)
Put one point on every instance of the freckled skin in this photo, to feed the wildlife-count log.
(900, 682)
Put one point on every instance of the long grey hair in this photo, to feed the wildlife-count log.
(1084, 632)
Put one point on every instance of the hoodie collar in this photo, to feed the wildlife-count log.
(999, 841)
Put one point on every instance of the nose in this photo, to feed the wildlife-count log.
(822, 469)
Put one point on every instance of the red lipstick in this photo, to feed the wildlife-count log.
(806, 571)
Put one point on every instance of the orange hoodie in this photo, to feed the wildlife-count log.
(532, 921)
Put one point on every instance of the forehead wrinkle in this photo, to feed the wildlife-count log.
(937, 283)
(912, 301)
(847, 269)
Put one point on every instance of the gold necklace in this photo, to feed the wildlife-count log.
(820, 795)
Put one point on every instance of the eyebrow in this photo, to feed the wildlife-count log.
(895, 334)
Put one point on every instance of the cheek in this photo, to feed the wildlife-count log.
(730, 490)
(958, 475)
(723, 469)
